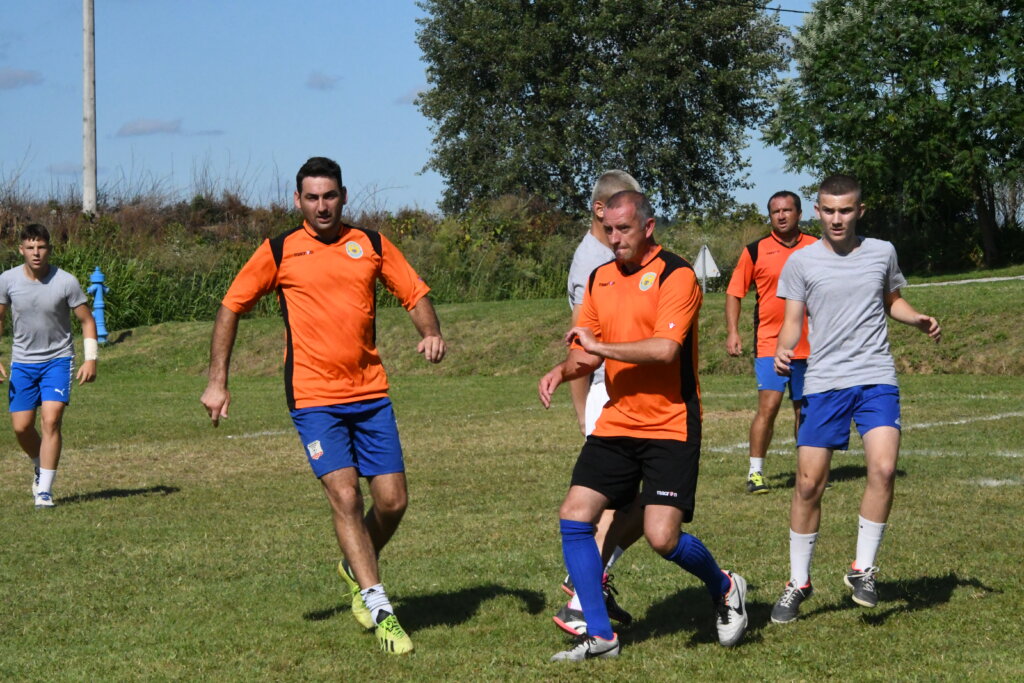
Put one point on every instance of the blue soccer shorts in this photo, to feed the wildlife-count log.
(362, 434)
(769, 380)
(825, 417)
(32, 383)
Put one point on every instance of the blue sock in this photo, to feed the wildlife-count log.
(583, 561)
(694, 557)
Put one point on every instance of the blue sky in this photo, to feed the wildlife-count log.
(233, 94)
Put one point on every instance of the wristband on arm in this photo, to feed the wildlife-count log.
(92, 349)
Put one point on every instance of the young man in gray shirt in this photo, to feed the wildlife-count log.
(41, 298)
(846, 284)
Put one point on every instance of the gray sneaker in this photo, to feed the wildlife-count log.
(731, 612)
(589, 647)
(788, 607)
(862, 583)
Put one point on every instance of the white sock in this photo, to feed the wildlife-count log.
(801, 550)
(46, 478)
(756, 465)
(376, 601)
(869, 539)
(616, 554)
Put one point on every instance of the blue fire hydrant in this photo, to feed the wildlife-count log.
(98, 290)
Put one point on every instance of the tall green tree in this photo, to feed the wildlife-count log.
(923, 100)
(540, 96)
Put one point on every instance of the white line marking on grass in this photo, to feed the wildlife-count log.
(991, 483)
(255, 435)
(922, 425)
(966, 420)
(968, 282)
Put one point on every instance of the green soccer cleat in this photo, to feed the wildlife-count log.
(359, 610)
(391, 636)
(756, 483)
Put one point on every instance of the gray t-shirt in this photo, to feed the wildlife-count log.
(41, 313)
(845, 312)
(590, 254)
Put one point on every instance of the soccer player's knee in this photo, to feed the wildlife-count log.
(809, 490)
(662, 540)
(393, 504)
(50, 424)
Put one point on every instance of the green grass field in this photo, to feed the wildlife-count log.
(178, 551)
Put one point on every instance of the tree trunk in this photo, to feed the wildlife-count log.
(983, 206)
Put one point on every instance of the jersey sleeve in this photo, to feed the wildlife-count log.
(5, 295)
(257, 278)
(893, 275)
(74, 294)
(742, 276)
(679, 302)
(791, 280)
(399, 277)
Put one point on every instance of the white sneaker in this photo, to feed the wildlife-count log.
(44, 500)
(589, 647)
(731, 618)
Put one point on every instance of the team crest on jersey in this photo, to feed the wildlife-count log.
(647, 281)
(314, 448)
(353, 249)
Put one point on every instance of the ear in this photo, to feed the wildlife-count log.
(344, 195)
(649, 227)
(599, 209)
(297, 204)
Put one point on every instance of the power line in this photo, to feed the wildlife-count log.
(766, 7)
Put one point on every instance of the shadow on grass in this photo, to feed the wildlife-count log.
(837, 475)
(689, 609)
(446, 609)
(918, 594)
(109, 494)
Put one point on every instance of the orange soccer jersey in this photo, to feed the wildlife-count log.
(761, 263)
(662, 299)
(327, 293)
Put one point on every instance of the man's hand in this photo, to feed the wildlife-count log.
(548, 384)
(929, 326)
(583, 336)
(216, 399)
(86, 373)
(432, 347)
(733, 344)
(3, 372)
(783, 359)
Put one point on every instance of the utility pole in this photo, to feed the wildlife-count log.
(88, 108)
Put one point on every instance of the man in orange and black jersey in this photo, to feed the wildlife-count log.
(639, 318)
(760, 264)
(325, 273)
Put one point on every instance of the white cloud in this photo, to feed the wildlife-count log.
(18, 78)
(149, 127)
(319, 81)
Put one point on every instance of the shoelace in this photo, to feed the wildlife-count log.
(789, 596)
(607, 586)
(868, 579)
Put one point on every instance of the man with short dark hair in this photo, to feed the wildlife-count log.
(325, 273)
(760, 264)
(639, 318)
(846, 285)
(42, 298)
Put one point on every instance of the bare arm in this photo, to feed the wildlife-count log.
(86, 373)
(653, 350)
(424, 317)
(789, 335)
(217, 398)
(579, 387)
(733, 344)
(577, 364)
(3, 313)
(899, 309)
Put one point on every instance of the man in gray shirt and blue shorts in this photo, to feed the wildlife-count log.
(41, 298)
(846, 284)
